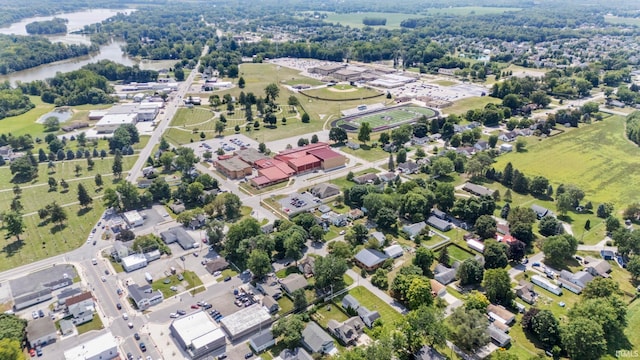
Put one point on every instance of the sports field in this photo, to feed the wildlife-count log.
(385, 119)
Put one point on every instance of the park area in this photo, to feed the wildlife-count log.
(341, 93)
(386, 118)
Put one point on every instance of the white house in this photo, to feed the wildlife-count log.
(133, 262)
(133, 218)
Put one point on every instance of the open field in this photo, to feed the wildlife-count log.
(347, 94)
(191, 117)
(95, 324)
(457, 253)
(384, 119)
(462, 106)
(597, 157)
(372, 302)
(618, 20)
(633, 329)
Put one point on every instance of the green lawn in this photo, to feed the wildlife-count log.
(26, 123)
(95, 324)
(347, 94)
(191, 117)
(285, 304)
(367, 299)
(457, 253)
(462, 106)
(191, 280)
(597, 157)
(329, 312)
(366, 152)
(303, 81)
(633, 329)
(444, 82)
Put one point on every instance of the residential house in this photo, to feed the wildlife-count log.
(428, 353)
(444, 275)
(541, 211)
(316, 340)
(597, 267)
(508, 136)
(387, 177)
(270, 304)
(144, 296)
(66, 327)
(262, 341)
(525, 291)
(179, 234)
(81, 308)
(439, 214)
(439, 224)
(502, 229)
(336, 219)
(217, 264)
(355, 214)
(378, 236)
(581, 278)
(306, 266)
(437, 289)
(347, 331)
(324, 209)
(477, 190)
(293, 282)
(177, 208)
(325, 190)
(409, 167)
(370, 259)
(368, 317)
(197, 222)
(414, 229)
(498, 336)
(365, 179)
(6, 152)
(419, 140)
(393, 251)
(506, 148)
(500, 314)
(295, 354)
(349, 302)
(481, 145)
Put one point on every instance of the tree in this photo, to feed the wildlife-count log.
(424, 259)
(493, 140)
(83, 196)
(442, 165)
(16, 205)
(384, 138)
(401, 157)
(380, 279)
(340, 249)
(424, 325)
(601, 288)
(57, 214)
(521, 144)
(476, 300)
(559, 248)
(583, 338)
(364, 133)
(316, 233)
(516, 251)
(329, 270)
(178, 73)
(10, 349)
(305, 118)
(53, 184)
(314, 139)
(185, 159)
(443, 257)
(391, 165)
(166, 160)
(604, 210)
(357, 235)
(219, 127)
(550, 226)
(546, 328)
(495, 255)
(64, 184)
(485, 227)
(98, 180)
(23, 169)
(289, 330)
(299, 300)
(241, 82)
(419, 293)
(468, 329)
(470, 272)
(338, 134)
(633, 266)
(497, 285)
(271, 92)
(13, 224)
(117, 165)
(259, 263)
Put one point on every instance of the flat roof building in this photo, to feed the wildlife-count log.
(133, 218)
(197, 334)
(110, 122)
(246, 321)
(103, 347)
(250, 155)
(179, 234)
(133, 262)
(41, 332)
(233, 168)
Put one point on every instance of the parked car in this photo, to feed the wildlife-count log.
(106, 272)
(129, 356)
(195, 306)
(143, 347)
(181, 312)
(119, 306)
(119, 291)
(39, 351)
(125, 316)
(227, 278)
(222, 356)
(130, 325)
(35, 315)
(32, 352)
(207, 306)
(40, 313)
(136, 336)
(173, 315)
(248, 355)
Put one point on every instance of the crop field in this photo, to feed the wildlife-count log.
(597, 157)
(385, 119)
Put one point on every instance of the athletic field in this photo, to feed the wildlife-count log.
(384, 119)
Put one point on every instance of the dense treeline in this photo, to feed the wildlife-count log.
(114, 72)
(53, 26)
(373, 21)
(13, 102)
(23, 52)
(77, 88)
(633, 127)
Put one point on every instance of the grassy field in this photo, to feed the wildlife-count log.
(633, 329)
(597, 157)
(462, 106)
(191, 117)
(190, 278)
(329, 312)
(26, 123)
(95, 324)
(444, 82)
(457, 253)
(367, 152)
(392, 117)
(388, 314)
(305, 81)
(346, 94)
(618, 20)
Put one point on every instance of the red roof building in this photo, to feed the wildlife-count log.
(311, 157)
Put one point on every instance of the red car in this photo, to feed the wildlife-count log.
(32, 352)
(195, 306)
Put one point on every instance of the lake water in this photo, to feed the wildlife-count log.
(77, 20)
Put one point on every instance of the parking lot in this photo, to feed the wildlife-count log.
(228, 144)
(298, 203)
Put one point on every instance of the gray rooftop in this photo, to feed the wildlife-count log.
(315, 337)
(370, 257)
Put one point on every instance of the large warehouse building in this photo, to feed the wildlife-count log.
(197, 334)
(103, 347)
(246, 321)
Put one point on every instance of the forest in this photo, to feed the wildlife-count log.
(24, 52)
(13, 102)
(115, 72)
(47, 27)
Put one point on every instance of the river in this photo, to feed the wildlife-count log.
(77, 21)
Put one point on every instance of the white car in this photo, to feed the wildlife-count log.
(173, 315)
(217, 273)
(35, 315)
(125, 316)
(342, 232)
